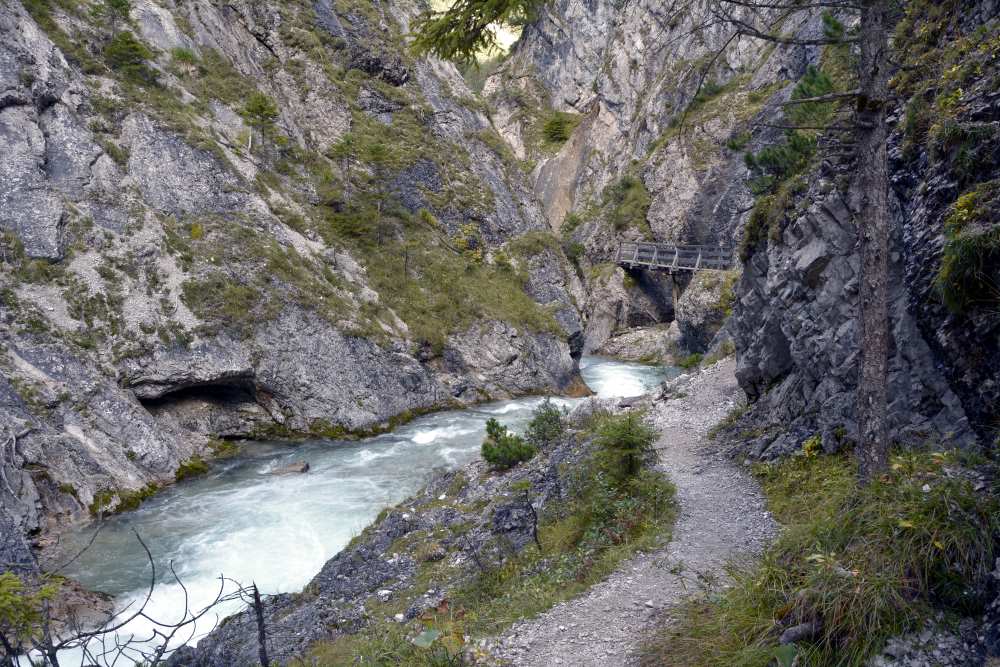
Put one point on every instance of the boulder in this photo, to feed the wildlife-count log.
(297, 468)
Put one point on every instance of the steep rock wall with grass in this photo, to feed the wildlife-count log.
(795, 324)
(632, 130)
(247, 219)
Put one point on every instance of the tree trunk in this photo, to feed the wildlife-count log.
(258, 608)
(871, 204)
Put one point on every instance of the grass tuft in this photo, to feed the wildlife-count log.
(969, 274)
(193, 467)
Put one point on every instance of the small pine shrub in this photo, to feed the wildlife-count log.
(832, 27)
(574, 251)
(738, 142)
(814, 83)
(21, 611)
(624, 442)
(128, 56)
(628, 202)
(774, 164)
(570, 223)
(502, 449)
(776, 169)
(260, 110)
(546, 425)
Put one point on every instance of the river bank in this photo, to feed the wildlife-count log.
(279, 530)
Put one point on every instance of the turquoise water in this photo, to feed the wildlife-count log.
(278, 531)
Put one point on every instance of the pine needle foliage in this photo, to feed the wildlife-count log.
(625, 442)
(546, 425)
(469, 28)
(129, 57)
(21, 608)
(503, 449)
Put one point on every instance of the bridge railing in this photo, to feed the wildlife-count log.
(673, 257)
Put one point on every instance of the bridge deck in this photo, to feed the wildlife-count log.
(667, 257)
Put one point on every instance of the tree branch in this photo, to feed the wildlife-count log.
(830, 97)
(832, 4)
(777, 126)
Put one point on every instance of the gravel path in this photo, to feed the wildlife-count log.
(722, 516)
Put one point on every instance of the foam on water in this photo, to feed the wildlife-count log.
(278, 531)
(427, 436)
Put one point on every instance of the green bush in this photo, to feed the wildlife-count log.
(128, 56)
(624, 443)
(864, 563)
(570, 222)
(628, 203)
(21, 610)
(574, 251)
(260, 110)
(184, 56)
(546, 425)
(503, 449)
(690, 361)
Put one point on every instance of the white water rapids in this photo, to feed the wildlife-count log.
(278, 531)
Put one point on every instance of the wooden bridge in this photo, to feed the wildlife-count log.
(673, 258)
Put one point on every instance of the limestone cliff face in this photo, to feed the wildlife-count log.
(647, 158)
(250, 218)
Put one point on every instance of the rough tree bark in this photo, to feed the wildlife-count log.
(870, 200)
(258, 608)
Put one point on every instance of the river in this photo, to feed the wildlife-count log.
(278, 531)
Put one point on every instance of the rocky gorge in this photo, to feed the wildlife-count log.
(269, 221)
(181, 265)
(659, 153)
